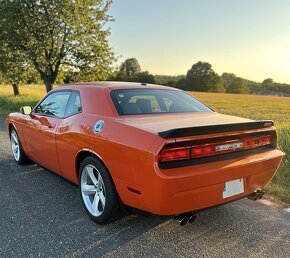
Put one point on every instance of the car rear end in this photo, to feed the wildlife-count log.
(198, 171)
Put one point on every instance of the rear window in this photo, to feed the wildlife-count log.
(150, 101)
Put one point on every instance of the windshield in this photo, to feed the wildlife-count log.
(151, 101)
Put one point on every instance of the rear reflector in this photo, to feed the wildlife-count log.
(205, 150)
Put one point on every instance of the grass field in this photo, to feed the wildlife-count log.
(249, 106)
(30, 95)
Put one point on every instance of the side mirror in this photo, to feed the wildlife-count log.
(26, 110)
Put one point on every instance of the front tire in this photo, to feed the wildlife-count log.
(17, 150)
(98, 193)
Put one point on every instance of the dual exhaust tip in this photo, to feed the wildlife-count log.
(182, 219)
(256, 195)
(190, 217)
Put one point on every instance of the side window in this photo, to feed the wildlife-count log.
(74, 105)
(54, 104)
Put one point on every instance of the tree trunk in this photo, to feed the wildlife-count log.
(48, 85)
(15, 89)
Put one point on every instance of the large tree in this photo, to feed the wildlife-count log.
(201, 77)
(130, 71)
(55, 33)
(130, 67)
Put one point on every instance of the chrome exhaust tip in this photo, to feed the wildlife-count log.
(192, 218)
(256, 195)
(182, 219)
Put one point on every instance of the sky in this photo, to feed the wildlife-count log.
(250, 38)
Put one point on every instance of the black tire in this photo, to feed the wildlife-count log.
(23, 159)
(113, 209)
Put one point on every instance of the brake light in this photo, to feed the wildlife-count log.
(205, 150)
(265, 140)
(196, 151)
(174, 154)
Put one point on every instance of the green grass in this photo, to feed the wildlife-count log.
(249, 106)
(280, 185)
(30, 95)
(9, 103)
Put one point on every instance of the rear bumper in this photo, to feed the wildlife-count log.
(205, 186)
(179, 190)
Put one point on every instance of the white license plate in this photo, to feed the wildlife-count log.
(234, 187)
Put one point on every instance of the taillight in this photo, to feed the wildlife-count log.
(265, 140)
(205, 150)
(174, 154)
(199, 151)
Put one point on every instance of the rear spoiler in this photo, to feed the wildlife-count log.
(220, 128)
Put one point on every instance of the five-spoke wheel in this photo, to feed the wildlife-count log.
(98, 192)
(93, 190)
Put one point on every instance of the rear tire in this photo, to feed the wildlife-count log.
(17, 150)
(98, 192)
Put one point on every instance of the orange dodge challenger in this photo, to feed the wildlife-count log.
(154, 148)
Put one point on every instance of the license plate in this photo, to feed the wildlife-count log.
(234, 187)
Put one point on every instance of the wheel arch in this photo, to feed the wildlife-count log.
(18, 128)
(82, 154)
(10, 126)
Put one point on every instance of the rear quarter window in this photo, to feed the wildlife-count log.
(74, 105)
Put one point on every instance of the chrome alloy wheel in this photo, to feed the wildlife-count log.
(15, 146)
(93, 190)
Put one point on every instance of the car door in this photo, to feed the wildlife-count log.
(41, 130)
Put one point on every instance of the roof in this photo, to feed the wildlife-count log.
(116, 85)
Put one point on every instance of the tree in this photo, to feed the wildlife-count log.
(51, 34)
(182, 84)
(238, 85)
(130, 71)
(12, 67)
(217, 84)
(144, 77)
(168, 80)
(201, 77)
(228, 78)
(119, 76)
(268, 84)
(130, 67)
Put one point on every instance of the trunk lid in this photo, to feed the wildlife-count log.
(186, 124)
